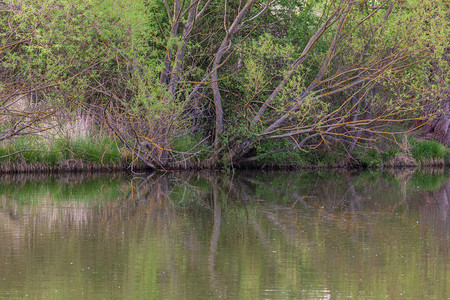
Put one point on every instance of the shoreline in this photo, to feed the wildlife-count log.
(79, 166)
(74, 166)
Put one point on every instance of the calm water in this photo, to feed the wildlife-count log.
(297, 235)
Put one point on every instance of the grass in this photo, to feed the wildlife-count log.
(428, 150)
(373, 158)
(100, 150)
(420, 153)
(424, 153)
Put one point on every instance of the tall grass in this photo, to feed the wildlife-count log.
(428, 150)
(101, 150)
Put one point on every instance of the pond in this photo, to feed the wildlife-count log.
(246, 235)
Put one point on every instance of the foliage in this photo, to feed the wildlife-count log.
(375, 158)
(213, 80)
(321, 157)
(425, 150)
(190, 145)
(100, 150)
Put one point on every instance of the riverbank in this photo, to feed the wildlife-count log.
(88, 154)
(105, 154)
(72, 166)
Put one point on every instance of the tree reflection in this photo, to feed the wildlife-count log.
(241, 236)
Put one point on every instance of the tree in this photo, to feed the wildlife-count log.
(234, 81)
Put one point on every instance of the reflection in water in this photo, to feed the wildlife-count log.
(202, 236)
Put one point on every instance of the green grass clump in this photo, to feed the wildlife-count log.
(27, 149)
(32, 149)
(373, 158)
(426, 150)
(100, 149)
(368, 157)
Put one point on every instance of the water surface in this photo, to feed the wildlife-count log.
(291, 235)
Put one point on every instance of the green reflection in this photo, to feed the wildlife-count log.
(378, 235)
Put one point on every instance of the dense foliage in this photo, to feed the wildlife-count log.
(216, 82)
